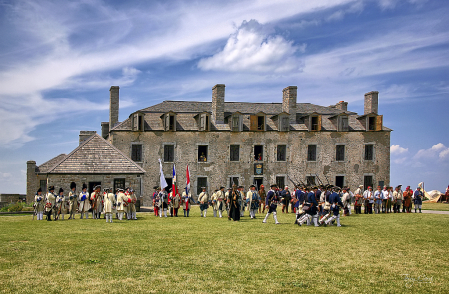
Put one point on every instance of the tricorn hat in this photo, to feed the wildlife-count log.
(39, 190)
(51, 188)
(72, 185)
(61, 190)
(252, 186)
(84, 186)
(222, 187)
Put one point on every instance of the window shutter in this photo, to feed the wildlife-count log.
(319, 123)
(135, 122)
(345, 123)
(253, 122)
(379, 122)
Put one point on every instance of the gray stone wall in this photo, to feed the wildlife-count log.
(218, 168)
(113, 105)
(32, 181)
(289, 95)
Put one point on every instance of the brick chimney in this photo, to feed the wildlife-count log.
(342, 105)
(113, 106)
(289, 101)
(218, 96)
(371, 102)
(84, 135)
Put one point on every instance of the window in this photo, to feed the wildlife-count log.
(137, 122)
(343, 123)
(169, 184)
(118, 183)
(43, 186)
(234, 153)
(261, 123)
(310, 180)
(340, 153)
(136, 152)
(315, 123)
(281, 153)
(257, 122)
(284, 124)
(368, 181)
(339, 181)
(371, 123)
(369, 152)
(169, 120)
(201, 182)
(202, 153)
(233, 181)
(280, 181)
(204, 122)
(169, 153)
(236, 123)
(311, 153)
(258, 152)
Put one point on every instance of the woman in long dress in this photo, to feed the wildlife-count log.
(235, 207)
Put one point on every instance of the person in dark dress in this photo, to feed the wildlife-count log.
(235, 206)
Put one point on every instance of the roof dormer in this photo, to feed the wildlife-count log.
(203, 121)
(371, 122)
(282, 120)
(169, 121)
(341, 122)
(258, 122)
(137, 121)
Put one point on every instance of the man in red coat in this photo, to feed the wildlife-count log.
(407, 206)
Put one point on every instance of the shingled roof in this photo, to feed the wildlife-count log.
(96, 156)
(44, 167)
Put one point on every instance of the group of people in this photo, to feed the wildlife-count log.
(108, 203)
(320, 205)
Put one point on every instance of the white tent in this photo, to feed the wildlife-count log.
(433, 195)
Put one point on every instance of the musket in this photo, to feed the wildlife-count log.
(290, 179)
(326, 178)
(319, 180)
(301, 182)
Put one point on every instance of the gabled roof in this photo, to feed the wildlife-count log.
(44, 167)
(96, 156)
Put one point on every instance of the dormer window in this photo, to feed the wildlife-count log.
(284, 123)
(169, 121)
(314, 123)
(374, 122)
(138, 122)
(203, 121)
(236, 122)
(343, 123)
(258, 122)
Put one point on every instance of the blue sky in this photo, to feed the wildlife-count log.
(59, 58)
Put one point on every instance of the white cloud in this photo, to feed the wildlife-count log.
(396, 149)
(251, 49)
(400, 160)
(436, 151)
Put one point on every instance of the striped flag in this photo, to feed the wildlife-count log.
(174, 188)
(188, 180)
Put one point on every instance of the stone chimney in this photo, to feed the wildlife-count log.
(289, 101)
(32, 181)
(342, 105)
(105, 129)
(371, 102)
(218, 96)
(84, 135)
(113, 106)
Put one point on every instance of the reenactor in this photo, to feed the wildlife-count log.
(61, 204)
(358, 200)
(109, 204)
(368, 197)
(84, 202)
(121, 203)
(326, 207)
(253, 201)
(346, 200)
(336, 203)
(50, 202)
(39, 205)
(242, 200)
(96, 200)
(286, 197)
(175, 203)
(221, 201)
(73, 201)
(156, 200)
(272, 202)
(397, 199)
(132, 199)
(311, 208)
(203, 198)
(407, 203)
(186, 202)
(262, 195)
(214, 199)
(228, 196)
(163, 202)
(418, 199)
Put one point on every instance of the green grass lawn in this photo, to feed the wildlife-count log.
(435, 206)
(371, 253)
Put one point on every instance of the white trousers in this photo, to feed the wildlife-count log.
(274, 216)
(40, 215)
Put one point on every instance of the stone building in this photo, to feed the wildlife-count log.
(94, 162)
(245, 143)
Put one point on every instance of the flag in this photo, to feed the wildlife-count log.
(163, 182)
(187, 181)
(174, 188)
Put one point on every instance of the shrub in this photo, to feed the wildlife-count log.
(12, 207)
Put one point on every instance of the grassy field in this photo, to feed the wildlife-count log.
(370, 253)
(434, 206)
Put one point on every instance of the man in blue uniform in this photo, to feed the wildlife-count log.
(272, 201)
(418, 199)
(336, 203)
(299, 195)
(311, 209)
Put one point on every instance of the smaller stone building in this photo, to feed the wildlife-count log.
(94, 162)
